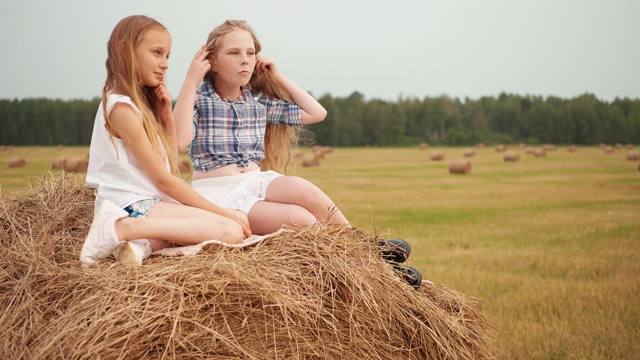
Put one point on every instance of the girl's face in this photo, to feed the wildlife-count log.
(152, 55)
(235, 60)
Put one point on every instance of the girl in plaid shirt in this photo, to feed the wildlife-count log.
(240, 122)
(244, 106)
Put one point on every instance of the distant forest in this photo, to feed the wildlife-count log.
(354, 121)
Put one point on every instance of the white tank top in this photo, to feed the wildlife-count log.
(113, 170)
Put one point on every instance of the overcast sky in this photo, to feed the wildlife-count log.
(382, 49)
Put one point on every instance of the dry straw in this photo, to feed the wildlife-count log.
(319, 293)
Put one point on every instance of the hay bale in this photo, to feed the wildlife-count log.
(480, 146)
(549, 147)
(310, 162)
(572, 148)
(319, 293)
(184, 166)
(77, 165)
(17, 162)
(608, 149)
(500, 148)
(633, 155)
(461, 166)
(511, 156)
(437, 156)
(469, 153)
(629, 146)
(424, 146)
(58, 163)
(539, 153)
(529, 150)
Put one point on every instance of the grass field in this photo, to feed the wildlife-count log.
(550, 245)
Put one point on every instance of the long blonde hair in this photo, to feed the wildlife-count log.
(280, 139)
(123, 74)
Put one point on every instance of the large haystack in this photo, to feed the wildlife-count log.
(320, 293)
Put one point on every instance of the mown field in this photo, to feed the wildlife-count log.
(551, 245)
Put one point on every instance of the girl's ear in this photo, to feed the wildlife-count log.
(214, 64)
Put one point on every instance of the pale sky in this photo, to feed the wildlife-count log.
(382, 49)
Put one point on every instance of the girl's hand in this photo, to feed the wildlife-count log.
(242, 219)
(266, 64)
(199, 67)
(163, 102)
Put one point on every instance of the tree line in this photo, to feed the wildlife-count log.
(355, 121)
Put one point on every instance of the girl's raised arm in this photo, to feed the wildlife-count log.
(183, 111)
(312, 110)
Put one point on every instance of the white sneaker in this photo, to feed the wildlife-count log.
(102, 239)
(133, 252)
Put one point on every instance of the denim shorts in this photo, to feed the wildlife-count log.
(140, 209)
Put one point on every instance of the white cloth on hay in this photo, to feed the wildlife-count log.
(194, 249)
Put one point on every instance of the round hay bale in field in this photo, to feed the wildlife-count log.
(529, 151)
(500, 148)
(310, 162)
(608, 149)
(511, 156)
(633, 155)
(480, 146)
(322, 292)
(539, 153)
(437, 156)
(461, 166)
(424, 146)
(17, 162)
(77, 165)
(58, 163)
(549, 147)
(629, 146)
(469, 153)
(572, 148)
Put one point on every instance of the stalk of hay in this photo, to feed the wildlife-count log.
(437, 155)
(322, 292)
(469, 153)
(633, 155)
(460, 167)
(511, 156)
(539, 153)
(17, 162)
(310, 162)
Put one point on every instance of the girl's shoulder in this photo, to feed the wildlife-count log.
(114, 99)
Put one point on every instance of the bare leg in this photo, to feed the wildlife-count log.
(176, 223)
(292, 200)
(266, 217)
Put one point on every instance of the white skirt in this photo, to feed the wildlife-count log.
(239, 192)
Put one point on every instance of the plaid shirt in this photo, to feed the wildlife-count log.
(232, 132)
